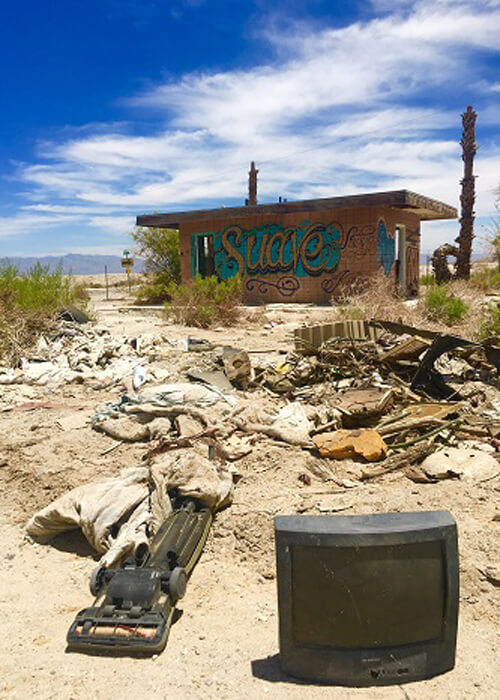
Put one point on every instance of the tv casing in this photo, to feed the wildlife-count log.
(367, 666)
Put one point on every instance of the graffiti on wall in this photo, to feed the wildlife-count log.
(293, 252)
(298, 250)
(285, 286)
(386, 247)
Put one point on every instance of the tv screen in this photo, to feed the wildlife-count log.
(357, 593)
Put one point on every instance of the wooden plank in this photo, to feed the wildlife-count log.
(424, 207)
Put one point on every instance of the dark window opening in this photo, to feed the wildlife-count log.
(205, 255)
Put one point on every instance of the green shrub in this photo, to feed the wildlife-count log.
(204, 302)
(440, 304)
(39, 289)
(29, 303)
(487, 279)
(160, 249)
(153, 289)
(350, 312)
(426, 280)
(491, 323)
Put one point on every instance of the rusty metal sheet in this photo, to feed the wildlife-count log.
(363, 403)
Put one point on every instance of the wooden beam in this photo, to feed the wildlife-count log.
(424, 208)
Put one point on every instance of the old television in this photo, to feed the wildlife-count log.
(368, 599)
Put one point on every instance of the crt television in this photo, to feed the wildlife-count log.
(367, 599)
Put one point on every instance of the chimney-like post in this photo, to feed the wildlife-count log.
(252, 184)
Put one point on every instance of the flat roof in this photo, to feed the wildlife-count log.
(425, 208)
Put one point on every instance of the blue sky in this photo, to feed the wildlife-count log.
(113, 108)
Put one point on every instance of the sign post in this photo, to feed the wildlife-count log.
(127, 263)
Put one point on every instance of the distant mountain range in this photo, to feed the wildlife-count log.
(94, 264)
(76, 264)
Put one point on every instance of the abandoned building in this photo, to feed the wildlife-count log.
(305, 251)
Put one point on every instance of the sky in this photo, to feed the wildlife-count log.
(114, 108)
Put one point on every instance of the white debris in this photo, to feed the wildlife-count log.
(468, 465)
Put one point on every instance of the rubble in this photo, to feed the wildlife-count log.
(84, 354)
(491, 574)
(351, 443)
(468, 465)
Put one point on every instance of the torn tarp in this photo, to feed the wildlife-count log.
(118, 514)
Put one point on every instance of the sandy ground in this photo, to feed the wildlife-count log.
(225, 642)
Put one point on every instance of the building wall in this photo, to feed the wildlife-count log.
(303, 257)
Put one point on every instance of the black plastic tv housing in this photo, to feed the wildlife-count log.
(369, 599)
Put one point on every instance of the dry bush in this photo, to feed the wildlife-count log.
(205, 302)
(490, 325)
(19, 330)
(485, 279)
(466, 312)
(29, 304)
(375, 297)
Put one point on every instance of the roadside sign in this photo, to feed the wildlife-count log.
(127, 263)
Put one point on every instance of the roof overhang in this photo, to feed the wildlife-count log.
(425, 208)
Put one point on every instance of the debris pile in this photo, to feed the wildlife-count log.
(73, 352)
(359, 399)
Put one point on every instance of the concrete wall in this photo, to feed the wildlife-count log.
(304, 257)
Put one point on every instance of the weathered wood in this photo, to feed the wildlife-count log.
(409, 458)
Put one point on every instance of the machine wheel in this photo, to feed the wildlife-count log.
(95, 583)
(177, 584)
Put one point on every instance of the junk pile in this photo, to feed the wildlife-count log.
(73, 352)
(364, 399)
(375, 396)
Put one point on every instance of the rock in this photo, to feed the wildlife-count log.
(71, 313)
(468, 465)
(237, 366)
(351, 443)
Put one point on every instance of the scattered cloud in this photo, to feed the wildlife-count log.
(23, 223)
(370, 106)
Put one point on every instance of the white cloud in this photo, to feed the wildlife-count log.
(117, 225)
(341, 111)
(23, 223)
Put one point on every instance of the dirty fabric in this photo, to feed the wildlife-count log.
(72, 352)
(118, 514)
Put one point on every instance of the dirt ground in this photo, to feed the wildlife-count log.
(225, 642)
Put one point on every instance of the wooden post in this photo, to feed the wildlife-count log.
(106, 278)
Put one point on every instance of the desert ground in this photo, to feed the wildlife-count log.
(225, 642)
